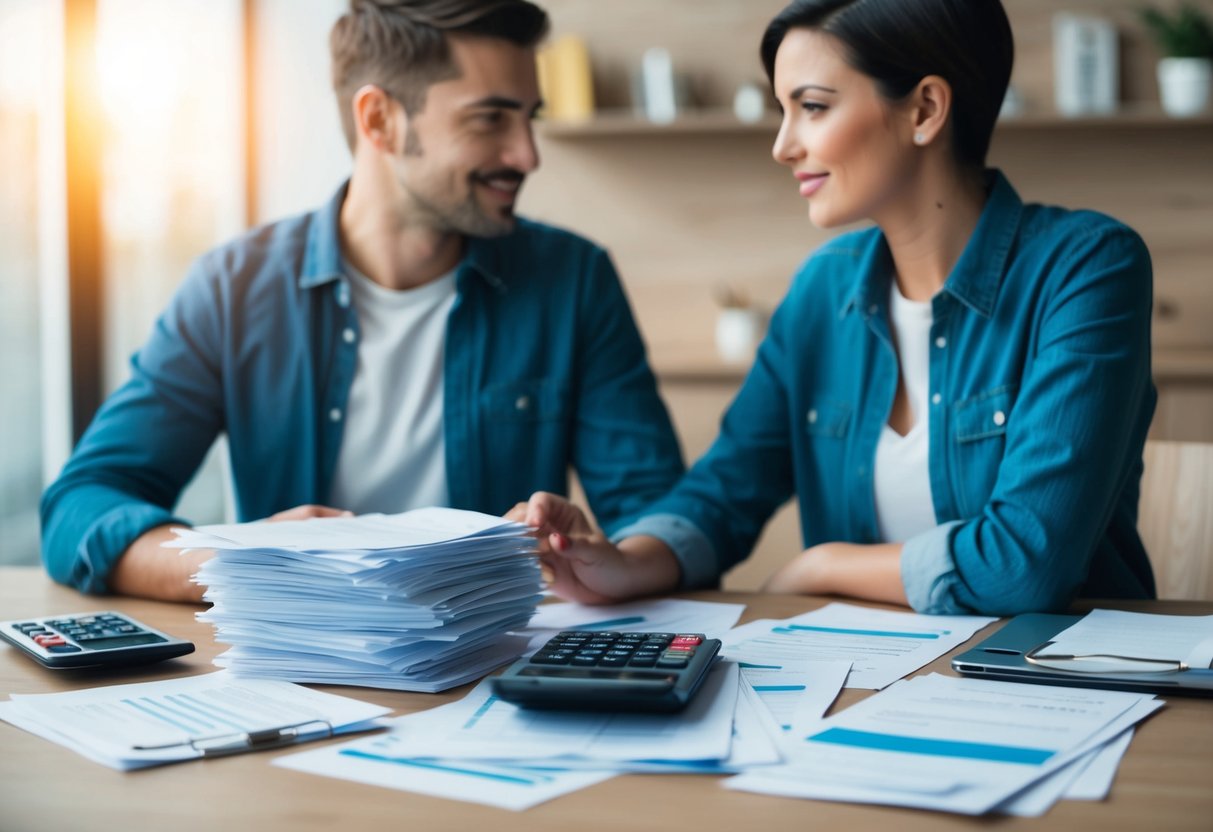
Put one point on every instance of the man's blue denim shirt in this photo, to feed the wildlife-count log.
(1041, 398)
(544, 370)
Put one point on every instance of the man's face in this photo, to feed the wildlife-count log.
(468, 150)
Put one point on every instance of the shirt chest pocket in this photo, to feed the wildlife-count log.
(530, 400)
(980, 426)
(827, 419)
(986, 415)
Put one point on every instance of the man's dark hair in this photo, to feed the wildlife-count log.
(401, 46)
(897, 43)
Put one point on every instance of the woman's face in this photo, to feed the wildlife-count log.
(850, 150)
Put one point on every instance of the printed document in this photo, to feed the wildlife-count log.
(959, 745)
(882, 646)
(483, 727)
(146, 724)
(1135, 635)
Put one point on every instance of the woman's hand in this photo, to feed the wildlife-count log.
(871, 572)
(586, 567)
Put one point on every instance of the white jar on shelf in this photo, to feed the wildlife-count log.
(1183, 85)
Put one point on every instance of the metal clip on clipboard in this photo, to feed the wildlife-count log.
(1100, 662)
(222, 745)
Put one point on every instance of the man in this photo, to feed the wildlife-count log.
(411, 343)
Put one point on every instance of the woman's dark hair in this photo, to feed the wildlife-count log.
(897, 43)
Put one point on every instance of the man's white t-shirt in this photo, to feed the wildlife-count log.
(904, 508)
(393, 454)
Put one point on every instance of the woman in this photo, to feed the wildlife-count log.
(958, 397)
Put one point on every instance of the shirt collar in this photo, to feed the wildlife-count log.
(322, 258)
(977, 275)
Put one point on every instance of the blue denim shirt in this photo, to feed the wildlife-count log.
(544, 369)
(1040, 401)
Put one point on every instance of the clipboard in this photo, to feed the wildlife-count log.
(1003, 656)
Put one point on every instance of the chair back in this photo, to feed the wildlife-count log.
(1175, 517)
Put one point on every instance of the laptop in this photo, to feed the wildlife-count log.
(1002, 657)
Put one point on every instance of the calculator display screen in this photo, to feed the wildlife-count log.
(122, 641)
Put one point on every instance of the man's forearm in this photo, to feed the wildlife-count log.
(147, 570)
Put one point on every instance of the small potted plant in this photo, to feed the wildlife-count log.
(1185, 38)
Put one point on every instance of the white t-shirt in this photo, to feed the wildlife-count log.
(901, 477)
(393, 454)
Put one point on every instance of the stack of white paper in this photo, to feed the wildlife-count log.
(416, 601)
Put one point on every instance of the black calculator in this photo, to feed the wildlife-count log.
(93, 639)
(606, 671)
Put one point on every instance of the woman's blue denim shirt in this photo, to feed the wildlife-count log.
(1041, 397)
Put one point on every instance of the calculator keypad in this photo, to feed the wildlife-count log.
(87, 630)
(667, 651)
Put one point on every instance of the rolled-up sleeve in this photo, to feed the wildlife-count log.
(928, 572)
(691, 547)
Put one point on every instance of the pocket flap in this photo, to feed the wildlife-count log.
(529, 400)
(986, 414)
(828, 418)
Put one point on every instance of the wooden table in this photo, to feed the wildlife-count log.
(1165, 781)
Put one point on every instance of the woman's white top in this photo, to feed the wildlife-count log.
(393, 453)
(901, 477)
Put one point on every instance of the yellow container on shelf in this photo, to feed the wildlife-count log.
(566, 80)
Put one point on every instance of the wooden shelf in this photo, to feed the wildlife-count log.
(623, 123)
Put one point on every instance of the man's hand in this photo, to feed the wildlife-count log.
(307, 512)
(148, 570)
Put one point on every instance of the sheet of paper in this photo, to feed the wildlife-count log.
(1186, 638)
(959, 745)
(882, 646)
(797, 694)
(757, 741)
(144, 724)
(1095, 781)
(483, 727)
(671, 615)
(383, 761)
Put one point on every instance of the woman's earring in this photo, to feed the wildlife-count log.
(919, 138)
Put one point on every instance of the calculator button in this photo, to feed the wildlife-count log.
(613, 661)
(550, 658)
(62, 648)
(686, 641)
(617, 653)
(642, 661)
(673, 664)
(607, 634)
(49, 640)
(88, 619)
(592, 653)
(128, 628)
(584, 661)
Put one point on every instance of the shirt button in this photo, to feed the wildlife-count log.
(936, 399)
(812, 417)
(941, 342)
(522, 403)
(334, 415)
(1000, 418)
(348, 335)
(872, 309)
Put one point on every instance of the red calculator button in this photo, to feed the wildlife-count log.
(49, 641)
(686, 641)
